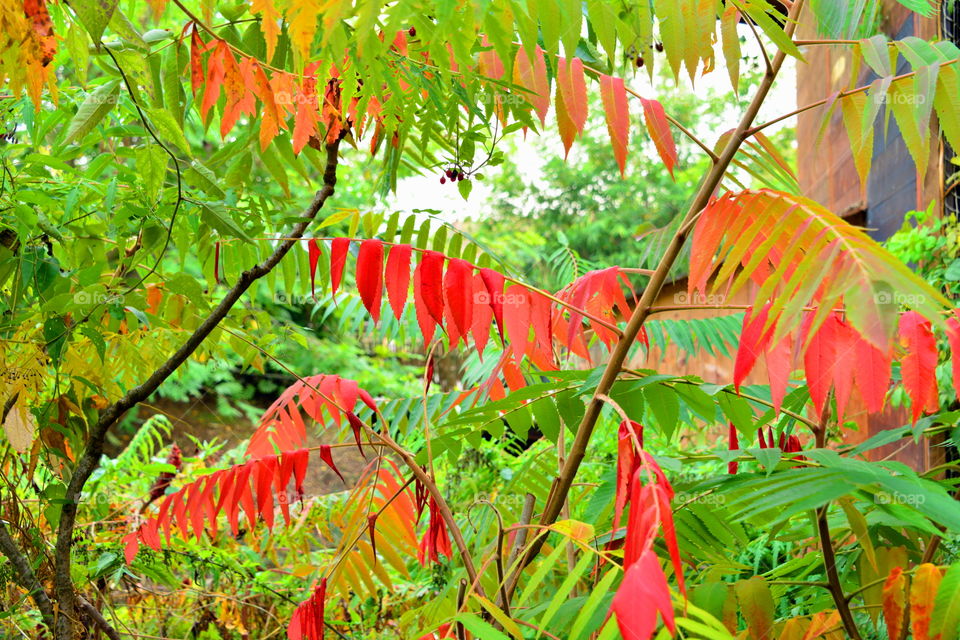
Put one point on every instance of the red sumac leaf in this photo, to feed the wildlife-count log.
(313, 248)
(398, 277)
(573, 90)
(659, 129)
(431, 284)
(370, 276)
(534, 79)
(919, 365)
(953, 338)
(754, 337)
(338, 259)
(614, 96)
(327, 456)
(642, 594)
(494, 282)
(458, 290)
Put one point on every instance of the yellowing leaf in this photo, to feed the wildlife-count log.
(893, 601)
(923, 592)
(20, 426)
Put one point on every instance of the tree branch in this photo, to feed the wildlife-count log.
(564, 481)
(25, 576)
(88, 462)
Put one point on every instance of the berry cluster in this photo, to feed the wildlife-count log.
(638, 60)
(454, 174)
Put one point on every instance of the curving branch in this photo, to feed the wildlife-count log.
(66, 597)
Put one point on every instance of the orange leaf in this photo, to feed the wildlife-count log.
(923, 591)
(659, 129)
(269, 23)
(215, 75)
(953, 337)
(568, 130)
(534, 79)
(614, 96)
(573, 88)
(893, 601)
(270, 121)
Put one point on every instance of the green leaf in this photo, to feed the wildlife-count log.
(168, 129)
(95, 108)
(95, 15)
(152, 169)
(946, 606)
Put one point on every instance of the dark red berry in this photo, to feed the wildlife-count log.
(442, 180)
(412, 31)
(659, 46)
(639, 61)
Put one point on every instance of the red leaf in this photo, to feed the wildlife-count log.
(211, 89)
(629, 435)
(314, 250)
(216, 262)
(196, 63)
(356, 426)
(458, 287)
(643, 593)
(370, 276)
(482, 314)
(307, 620)
(516, 317)
(779, 361)
(305, 120)
(573, 89)
(534, 79)
(327, 456)
(431, 284)
(398, 277)
(953, 337)
(494, 282)
(845, 349)
(871, 374)
(424, 319)
(131, 545)
(270, 120)
(754, 338)
(490, 64)
(919, 364)
(614, 96)
(733, 445)
(236, 79)
(893, 600)
(819, 359)
(659, 129)
(338, 259)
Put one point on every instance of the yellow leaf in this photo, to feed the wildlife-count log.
(20, 426)
(923, 591)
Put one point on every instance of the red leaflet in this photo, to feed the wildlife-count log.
(614, 96)
(845, 350)
(659, 129)
(370, 276)
(314, 251)
(398, 277)
(754, 338)
(643, 593)
(146, 533)
(573, 89)
(871, 374)
(489, 62)
(196, 64)
(516, 317)
(338, 259)
(216, 262)
(779, 360)
(458, 290)
(215, 73)
(426, 322)
(431, 289)
(372, 529)
(307, 620)
(629, 442)
(733, 445)
(482, 314)
(327, 456)
(534, 79)
(435, 541)
(356, 426)
(819, 359)
(320, 397)
(494, 282)
(236, 79)
(919, 364)
(953, 337)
